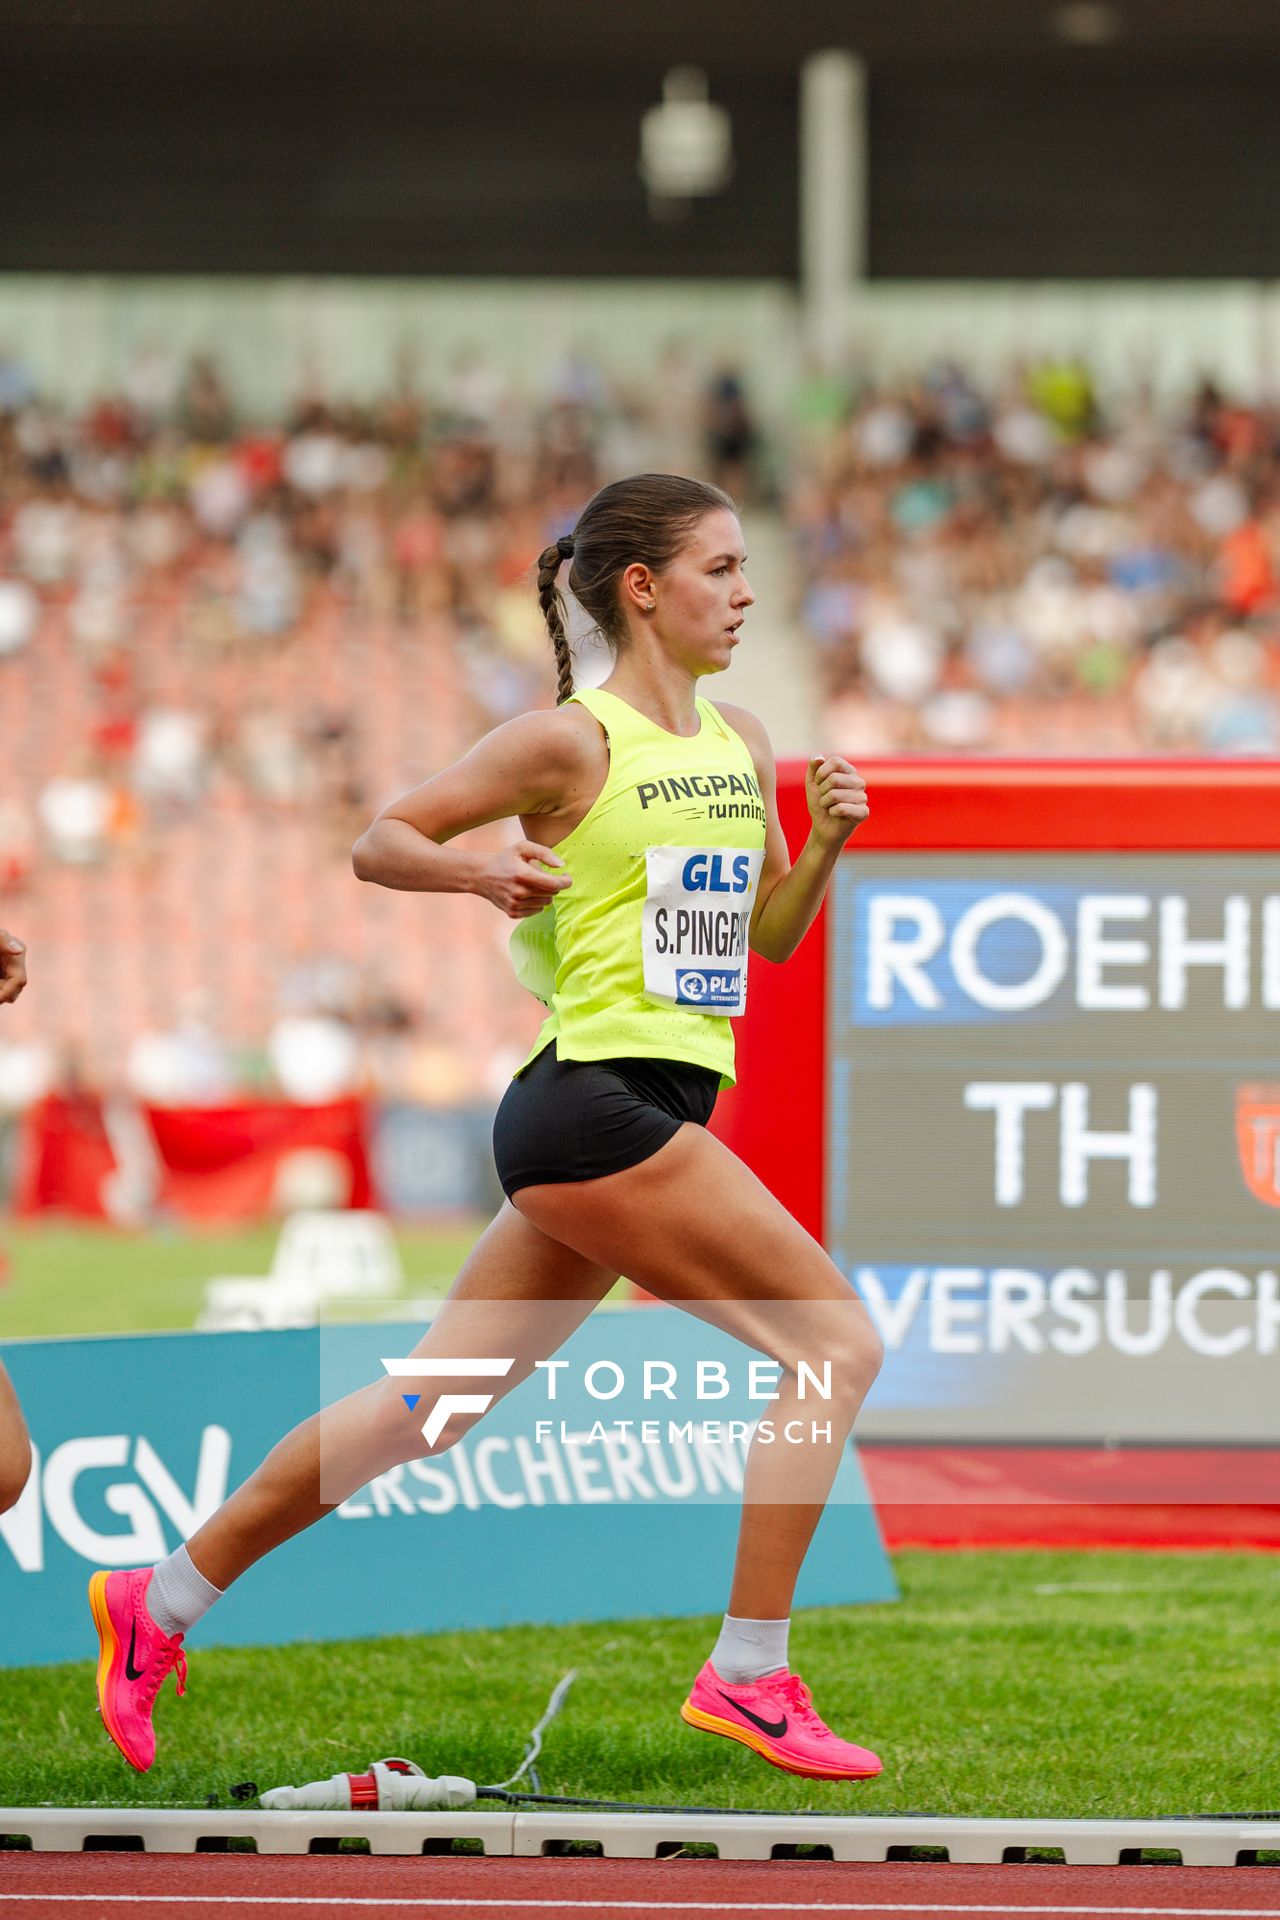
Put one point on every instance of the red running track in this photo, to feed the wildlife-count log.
(178, 1886)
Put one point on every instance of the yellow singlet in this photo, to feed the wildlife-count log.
(645, 955)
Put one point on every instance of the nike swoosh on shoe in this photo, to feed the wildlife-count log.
(774, 1728)
(134, 1673)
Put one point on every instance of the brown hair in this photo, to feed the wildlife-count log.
(645, 519)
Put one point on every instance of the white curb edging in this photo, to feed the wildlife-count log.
(169, 1830)
(638, 1836)
(1202, 1843)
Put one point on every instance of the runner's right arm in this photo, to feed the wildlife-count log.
(530, 766)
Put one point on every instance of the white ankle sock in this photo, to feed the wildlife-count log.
(178, 1594)
(749, 1649)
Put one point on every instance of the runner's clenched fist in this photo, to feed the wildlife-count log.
(837, 796)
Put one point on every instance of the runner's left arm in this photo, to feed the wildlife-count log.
(789, 897)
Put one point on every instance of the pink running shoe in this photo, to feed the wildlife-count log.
(776, 1718)
(133, 1662)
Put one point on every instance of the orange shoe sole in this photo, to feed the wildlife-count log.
(710, 1723)
(108, 1648)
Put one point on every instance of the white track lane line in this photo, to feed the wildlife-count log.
(1111, 1912)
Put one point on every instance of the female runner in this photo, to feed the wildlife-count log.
(629, 798)
(15, 1448)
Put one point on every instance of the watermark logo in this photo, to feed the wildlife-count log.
(448, 1403)
(607, 1380)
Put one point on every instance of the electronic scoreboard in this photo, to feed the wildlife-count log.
(1024, 1082)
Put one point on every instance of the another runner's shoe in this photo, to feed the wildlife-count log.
(776, 1718)
(133, 1663)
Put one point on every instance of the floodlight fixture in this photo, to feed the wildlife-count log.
(686, 142)
(1087, 23)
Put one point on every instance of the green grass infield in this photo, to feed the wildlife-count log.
(1078, 1685)
(82, 1280)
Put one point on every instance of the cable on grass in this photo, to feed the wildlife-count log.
(534, 1745)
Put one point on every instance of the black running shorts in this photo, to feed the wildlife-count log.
(579, 1119)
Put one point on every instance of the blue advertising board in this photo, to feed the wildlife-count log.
(537, 1516)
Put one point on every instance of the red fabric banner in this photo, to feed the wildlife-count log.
(111, 1160)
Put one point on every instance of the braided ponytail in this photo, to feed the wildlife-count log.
(646, 518)
(551, 601)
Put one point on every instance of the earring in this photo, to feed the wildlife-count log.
(649, 605)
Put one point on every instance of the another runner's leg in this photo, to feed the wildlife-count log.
(15, 1447)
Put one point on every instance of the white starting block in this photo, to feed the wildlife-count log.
(321, 1255)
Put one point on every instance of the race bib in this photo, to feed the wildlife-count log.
(697, 916)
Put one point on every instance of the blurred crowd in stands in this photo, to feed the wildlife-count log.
(1023, 570)
(224, 645)
(403, 510)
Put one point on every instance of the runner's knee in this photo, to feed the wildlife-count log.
(853, 1353)
(399, 1428)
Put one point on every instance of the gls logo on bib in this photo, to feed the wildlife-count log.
(697, 916)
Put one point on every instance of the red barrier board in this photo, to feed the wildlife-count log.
(1022, 1079)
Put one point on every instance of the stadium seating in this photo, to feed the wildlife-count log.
(1020, 570)
(227, 908)
(222, 649)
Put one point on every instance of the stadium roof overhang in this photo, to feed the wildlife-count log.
(551, 35)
